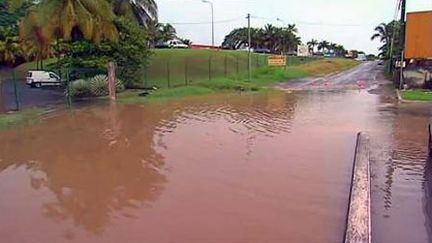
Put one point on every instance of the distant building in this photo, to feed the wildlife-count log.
(352, 54)
(303, 51)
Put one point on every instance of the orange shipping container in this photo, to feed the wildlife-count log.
(418, 43)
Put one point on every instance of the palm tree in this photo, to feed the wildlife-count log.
(50, 20)
(67, 19)
(269, 36)
(312, 44)
(140, 11)
(386, 33)
(153, 28)
(340, 50)
(168, 32)
(10, 48)
(292, 28)
(323, 45)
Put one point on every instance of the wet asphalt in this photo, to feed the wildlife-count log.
(362, 76)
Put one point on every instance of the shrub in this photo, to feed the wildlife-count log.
(79, 88)
(98, 85)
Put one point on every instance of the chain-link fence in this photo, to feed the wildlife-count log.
(33, 88)
(165, 70)
(173, 71)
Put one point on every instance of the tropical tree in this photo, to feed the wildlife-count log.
(323, 45)
(136, 10)
(312, 44)
(167, 32)
(276, 39)
(10, 48)
(67, 19)
(292, 28)
(388, 34)
(10, 17)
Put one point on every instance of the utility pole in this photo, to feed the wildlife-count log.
(402, 40)
(249, 48)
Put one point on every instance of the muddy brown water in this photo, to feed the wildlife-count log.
(267, 167)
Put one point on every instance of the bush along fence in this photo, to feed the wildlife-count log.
(86, 83)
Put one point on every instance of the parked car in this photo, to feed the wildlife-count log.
(162, 45)
(38, 78)
(172, 44)
(177, 44)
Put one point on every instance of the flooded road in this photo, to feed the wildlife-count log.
(264, 167)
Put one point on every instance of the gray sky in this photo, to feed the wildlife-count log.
(348, 22)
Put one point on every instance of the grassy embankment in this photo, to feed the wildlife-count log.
(179, 73)
(23, 117)
(197, 81)
(416, 95)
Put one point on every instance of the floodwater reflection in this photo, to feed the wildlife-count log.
(92, 168)
(266, 167)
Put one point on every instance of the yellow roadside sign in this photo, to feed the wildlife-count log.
(276, 60)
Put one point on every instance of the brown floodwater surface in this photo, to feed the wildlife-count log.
(266, 167)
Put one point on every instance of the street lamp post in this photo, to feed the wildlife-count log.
(212, 13)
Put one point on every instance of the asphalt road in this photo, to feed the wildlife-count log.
(363, 76)
(27, 96)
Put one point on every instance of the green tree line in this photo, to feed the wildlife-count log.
(277, 40)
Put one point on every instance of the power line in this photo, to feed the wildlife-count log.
(198, 23)
(265, 18)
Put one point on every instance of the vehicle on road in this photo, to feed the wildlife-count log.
(39, 78)
(177, 44)
(361, 57)
(172, 44)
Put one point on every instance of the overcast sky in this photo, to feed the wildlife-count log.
(348, 22)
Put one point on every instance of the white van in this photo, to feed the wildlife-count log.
(177, 44)
(37, 79)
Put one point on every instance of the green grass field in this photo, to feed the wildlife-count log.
(23, 117)
(420, 95)
(261, 79)
(178, 67)
(185, 72)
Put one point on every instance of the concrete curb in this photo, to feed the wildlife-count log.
(399, 96)
(358, 228)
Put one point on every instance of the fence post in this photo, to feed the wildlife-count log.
(168, 73)
(2, 97)
(111, 81)
(430, 140)
(226, 65)
(237, 65)
(145, 76)
(17, 105)
(209, 68)
(68, 91)
(186, 71)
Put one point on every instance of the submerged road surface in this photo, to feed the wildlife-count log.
(362, 76)
(265, 167)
